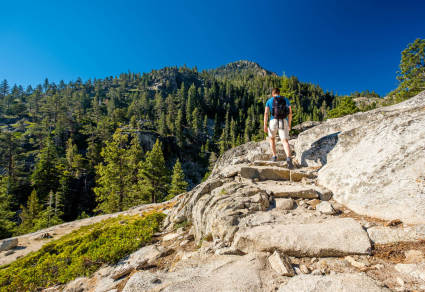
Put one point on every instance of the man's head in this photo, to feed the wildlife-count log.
(275, 91)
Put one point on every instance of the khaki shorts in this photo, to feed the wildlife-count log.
(280, 126)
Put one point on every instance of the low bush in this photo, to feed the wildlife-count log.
(80, 253)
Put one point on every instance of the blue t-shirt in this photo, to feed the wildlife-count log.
(269, 103)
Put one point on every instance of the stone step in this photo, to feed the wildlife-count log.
(336, 237)
(385, 235)
(269, 170)
(265, 173)
(269, 163)
(297, 175)
(288, 190)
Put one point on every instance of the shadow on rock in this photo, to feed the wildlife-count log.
(320, 149)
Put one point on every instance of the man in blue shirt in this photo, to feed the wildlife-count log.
(276, 125)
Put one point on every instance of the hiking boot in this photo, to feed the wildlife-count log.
(274, 158)
(289, 162)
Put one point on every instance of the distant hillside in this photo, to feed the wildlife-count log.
(363, 102)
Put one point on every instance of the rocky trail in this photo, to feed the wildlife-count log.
(262, 227)
(339, 221)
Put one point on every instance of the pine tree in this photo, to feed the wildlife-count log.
(190, 104)
(159, 105)
(50, 210)
(178, 182)
(170, 113)
(153, 174)
(116, 177)
(225, 136)
(6, 224)
(181, 94)
(205, 125)
(111, 182)
(48, 217)
(30, 214)
(9, 151)
(412, 70)
(217, 127)
(134, 158)
(247, 131)
(46, 174)
(179, 128)
(345, 107)
(162, 125)
(58, 205)
(4, 88)
(196, 122)
(233, 133)
(75, 161)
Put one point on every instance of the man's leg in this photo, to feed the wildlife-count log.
(273, 145)
(286, 148)
(285, 138)
(272, 137)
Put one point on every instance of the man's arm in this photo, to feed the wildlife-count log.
(290, 118)
(266, 118)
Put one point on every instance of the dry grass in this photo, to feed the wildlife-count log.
(395, 252)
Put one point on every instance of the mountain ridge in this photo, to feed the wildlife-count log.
(244, 67)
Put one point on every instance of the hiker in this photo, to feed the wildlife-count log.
(280, 111)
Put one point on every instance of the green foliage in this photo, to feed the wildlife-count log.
(74, 160)
(4, 88)
(153, 174)
(346, 106)
(80, 253)
(412, 72)
(6, 214)
(45, 177)
(185, 224)
(117, 176)
(365, 93)
(225, 139)
(30, 214)
(178, 182)
(51, 214)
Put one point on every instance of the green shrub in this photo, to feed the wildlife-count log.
(185, 224)
(346, 106)
(80, 253)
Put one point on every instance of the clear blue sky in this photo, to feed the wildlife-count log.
(340, 45)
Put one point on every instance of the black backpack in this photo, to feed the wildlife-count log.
(280, 108)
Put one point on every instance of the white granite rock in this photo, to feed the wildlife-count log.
(325, 208)
(281, 264)
(8, 243)
(284, 203)
(369, 176)
(335, 237)
(335, 283)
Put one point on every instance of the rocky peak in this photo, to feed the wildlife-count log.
(242, 67)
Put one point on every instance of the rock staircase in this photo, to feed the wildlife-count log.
(292, 189)
(264, 207)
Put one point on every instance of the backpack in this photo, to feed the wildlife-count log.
(280, 109)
